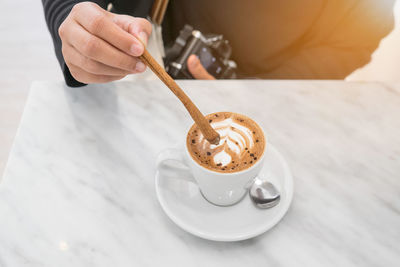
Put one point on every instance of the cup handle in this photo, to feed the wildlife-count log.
(175, 155)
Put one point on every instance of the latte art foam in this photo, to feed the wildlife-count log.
(240, 146)
(234, 139)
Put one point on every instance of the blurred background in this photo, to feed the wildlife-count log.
(26, 54)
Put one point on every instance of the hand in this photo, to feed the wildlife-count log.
(99, 46)
(197, 70)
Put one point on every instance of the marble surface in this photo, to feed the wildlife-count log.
(78, 189)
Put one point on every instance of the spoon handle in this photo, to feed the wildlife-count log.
(209, 133)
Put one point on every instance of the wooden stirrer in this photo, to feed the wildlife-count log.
(209, 133)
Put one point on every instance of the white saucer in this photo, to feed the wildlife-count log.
(184, 204)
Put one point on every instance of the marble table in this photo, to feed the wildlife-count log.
(78, 189)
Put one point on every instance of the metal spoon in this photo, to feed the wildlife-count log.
(264, 194)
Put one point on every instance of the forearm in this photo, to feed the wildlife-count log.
(55, 13)
(337, 45)
(321, 63)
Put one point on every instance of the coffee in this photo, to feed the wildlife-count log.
(241, 146)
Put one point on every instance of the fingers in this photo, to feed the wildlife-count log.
(98, 50)
(100, 23)
(72, 56)
(197, 70)
(85, 77)
(102, 45)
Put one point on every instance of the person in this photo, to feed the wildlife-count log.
(291, 39)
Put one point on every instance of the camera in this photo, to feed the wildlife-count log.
(212, 50)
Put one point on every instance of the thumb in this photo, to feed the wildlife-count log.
(138, 27)
(197, 70)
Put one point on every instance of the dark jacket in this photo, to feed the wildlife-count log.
(286, 39)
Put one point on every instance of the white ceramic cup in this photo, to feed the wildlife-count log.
(222, 189)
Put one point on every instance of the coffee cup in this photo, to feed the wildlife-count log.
(221, 183)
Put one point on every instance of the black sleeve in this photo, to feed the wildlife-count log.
(55, 12)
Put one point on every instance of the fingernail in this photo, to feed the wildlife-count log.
(140, 67)
(194, 61)
(137, 49)
(143, 38)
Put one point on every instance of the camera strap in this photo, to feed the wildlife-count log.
(158, 11)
